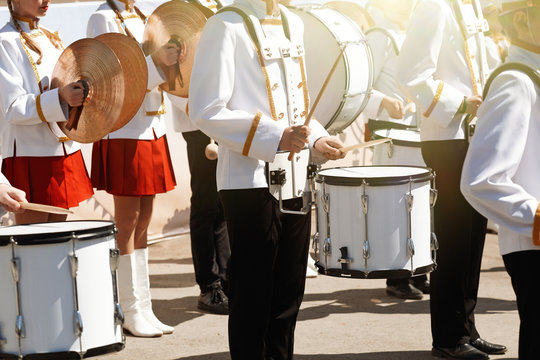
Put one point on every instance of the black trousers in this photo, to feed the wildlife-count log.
(524, 270)
(209, 239)
(267, 272)
(461, 233)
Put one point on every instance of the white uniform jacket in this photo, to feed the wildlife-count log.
(229, 100)
(501, 171)
(434, 71)
(30, 109)
(149, 119)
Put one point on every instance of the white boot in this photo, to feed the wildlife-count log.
(143, 291)
(134, 321)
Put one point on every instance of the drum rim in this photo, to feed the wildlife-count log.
(67, 355)
(60, 236)
(376, 181)
(401, 142)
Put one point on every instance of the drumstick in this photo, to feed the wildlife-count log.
(321, 92)
(365, 144)
(44, 208)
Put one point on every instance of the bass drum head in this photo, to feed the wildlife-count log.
(346, 94)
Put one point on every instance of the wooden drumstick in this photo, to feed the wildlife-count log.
(364, 144)
(321, 92)
(44, 208)
(211, 150)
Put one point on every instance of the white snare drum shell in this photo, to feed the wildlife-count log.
(46, 288)
(386, 225)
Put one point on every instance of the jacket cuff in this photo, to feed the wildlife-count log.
(155, 77)
(49, 108)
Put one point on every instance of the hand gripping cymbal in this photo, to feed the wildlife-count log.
(135, 71)
(94, 63)
(180, 23)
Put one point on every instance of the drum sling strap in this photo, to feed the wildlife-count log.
(533, 74)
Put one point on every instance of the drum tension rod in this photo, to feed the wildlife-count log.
(19, 321)
(410, 243)
(365, 250)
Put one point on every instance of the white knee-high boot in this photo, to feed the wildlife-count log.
(143, 291)
(134, 321)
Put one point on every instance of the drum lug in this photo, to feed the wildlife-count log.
(434, 247)
(327, 247)
(118, 315)
(77, 320)
(433, 196)
(19, 326)
(316, 243)
(366, 255)
(390, 150)
(410, 249)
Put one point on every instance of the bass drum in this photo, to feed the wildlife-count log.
(347, 94)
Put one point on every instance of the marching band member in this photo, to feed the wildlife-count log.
(210, 248)
(391, 18)
(248, 91)
(499, 173)
(133, 164)
(442, 67)
(37, 157)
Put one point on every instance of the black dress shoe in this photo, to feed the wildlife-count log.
(422, 284)
(462, 351)
(404, 291)
(214, 301)
(488, 348)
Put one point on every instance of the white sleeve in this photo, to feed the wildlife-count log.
(496, 151)
(20, 106)
(210, 92)
(417, 64)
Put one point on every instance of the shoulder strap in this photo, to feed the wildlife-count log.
(527, 70)
(248, 21)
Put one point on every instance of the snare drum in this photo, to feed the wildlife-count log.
(403, 150)
(374, 221)
(348, 90)
(59, 297)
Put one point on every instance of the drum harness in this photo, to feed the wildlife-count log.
(473, 29)
(265, 50)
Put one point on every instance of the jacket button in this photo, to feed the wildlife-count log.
(281, 115)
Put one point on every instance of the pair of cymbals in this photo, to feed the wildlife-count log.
(182, 23)
(114, 67)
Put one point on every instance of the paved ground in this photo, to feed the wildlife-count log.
(341, 319)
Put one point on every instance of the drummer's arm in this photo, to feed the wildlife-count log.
(417, 65)
(10, 196)
(19, 105)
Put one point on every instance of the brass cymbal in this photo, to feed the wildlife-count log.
(135, 71)
(177, 21)
(355, 12)
(94, 62)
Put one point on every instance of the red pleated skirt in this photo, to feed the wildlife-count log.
(131, 167)
(61, 181)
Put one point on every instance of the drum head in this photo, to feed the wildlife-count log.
(399, 136)
(374, 175)
(55, 232)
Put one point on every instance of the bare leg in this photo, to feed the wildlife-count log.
(126, 215)
(146, 207)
